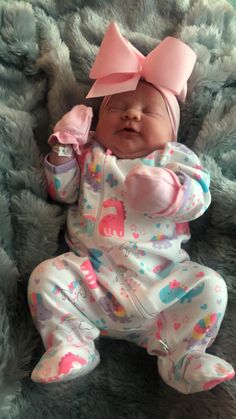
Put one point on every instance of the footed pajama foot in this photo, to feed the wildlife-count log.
(64, 363)
(196, 372)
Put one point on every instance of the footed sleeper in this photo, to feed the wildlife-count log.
(127, 276)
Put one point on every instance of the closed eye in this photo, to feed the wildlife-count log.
(116, 107)
(153, 111)
(154, 114)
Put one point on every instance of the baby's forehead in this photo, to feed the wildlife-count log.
(144, 93)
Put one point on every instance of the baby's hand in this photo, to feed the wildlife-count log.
(154, 190)
(73, 128)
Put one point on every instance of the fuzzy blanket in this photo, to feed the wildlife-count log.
(46, 50)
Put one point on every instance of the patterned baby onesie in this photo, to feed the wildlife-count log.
(126, 275)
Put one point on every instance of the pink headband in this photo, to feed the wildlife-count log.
(119, 66)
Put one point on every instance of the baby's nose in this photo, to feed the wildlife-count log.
(132, 114)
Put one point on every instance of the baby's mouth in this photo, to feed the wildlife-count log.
(129, 130)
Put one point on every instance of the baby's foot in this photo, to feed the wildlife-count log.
(207, 371)
(64, 363)
(198, 371)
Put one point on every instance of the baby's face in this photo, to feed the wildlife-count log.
(133, 124)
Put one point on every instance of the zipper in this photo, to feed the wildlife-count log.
(139, 305)
(101, 197)
(134, 299)
(128, 290)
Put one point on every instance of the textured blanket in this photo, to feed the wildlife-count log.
(46, 50)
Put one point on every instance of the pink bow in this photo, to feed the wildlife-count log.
(119, 66)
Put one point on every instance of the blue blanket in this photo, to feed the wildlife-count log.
(46, 50)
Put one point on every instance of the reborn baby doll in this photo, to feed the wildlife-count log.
(132, 190)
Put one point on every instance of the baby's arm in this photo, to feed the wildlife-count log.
(63, 178)
(61, 166)
(178, 189)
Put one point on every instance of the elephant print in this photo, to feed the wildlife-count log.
(38, 309)
(174, 290)
(193, 293)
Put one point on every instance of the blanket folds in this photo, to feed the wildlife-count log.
(46, 51)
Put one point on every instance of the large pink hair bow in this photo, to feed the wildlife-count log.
(119, 66)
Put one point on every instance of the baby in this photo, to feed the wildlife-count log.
(132, 189)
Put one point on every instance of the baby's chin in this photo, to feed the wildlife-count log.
(129, 150)
(124, 154)
(132, 153)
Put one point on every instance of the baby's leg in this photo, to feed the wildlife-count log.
(59, 306)
(187, 328)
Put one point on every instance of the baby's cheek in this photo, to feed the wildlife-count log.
(104, 132)
(100, 135)
(160, 132)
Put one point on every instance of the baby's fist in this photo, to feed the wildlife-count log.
(73, 128)
(154, 190)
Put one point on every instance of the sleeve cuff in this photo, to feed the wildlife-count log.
(62, 168)
(177, 199)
